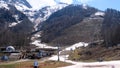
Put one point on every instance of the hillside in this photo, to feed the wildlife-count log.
(88, 30)
(15, 27)
(109, 48)
(71, 25)
(111, 27)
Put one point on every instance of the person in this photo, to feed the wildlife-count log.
(35, 64)
(4, 58)
(100, 59)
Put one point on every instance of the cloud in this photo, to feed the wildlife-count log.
(65, 1)
(37, 4)
(81, 1)
(74, 1)
(85, 1)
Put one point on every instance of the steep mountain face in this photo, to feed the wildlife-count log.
(44, 13)
(35, 15)
(12, 17)
(31, 4)
(15, 27)
(19, 4)
(59, 27)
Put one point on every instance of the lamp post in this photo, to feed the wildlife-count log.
(58, 50)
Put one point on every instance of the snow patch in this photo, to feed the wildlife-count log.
(21, 7)
(85, 6)
(106, 64)
(3, 5)
(36, 35)
(16, 17)
(53, 9)
(40, 45)
(13, 24)
(99, 13)
(73, 47)
(64, 58)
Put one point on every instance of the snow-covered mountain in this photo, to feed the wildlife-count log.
(37, 4)
(19, 4)
(36, 10)
(31, 4)
(45, 12)
(42, 14)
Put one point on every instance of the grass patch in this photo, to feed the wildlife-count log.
(8, 66)
(95, 53)
(26, 64)
(29, 64)
(54, 64)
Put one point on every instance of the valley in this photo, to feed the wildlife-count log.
(70, 32)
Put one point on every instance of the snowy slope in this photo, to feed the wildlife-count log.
(72, 47)
(45, 12)
(40, 45)
(19, 4)
(14, 15)
(38, 42)
(3, 5)
(37, 4)
(36, 10)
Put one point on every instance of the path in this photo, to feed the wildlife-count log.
(13, 62)
(23, 60)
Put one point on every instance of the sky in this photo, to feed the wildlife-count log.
(100, 4)
(104, 4)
